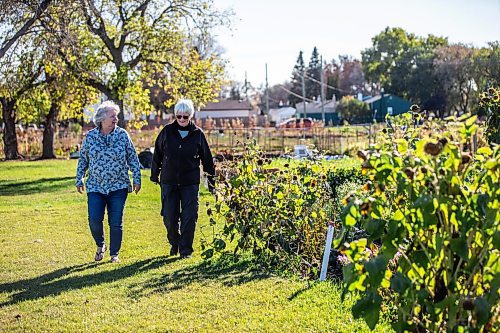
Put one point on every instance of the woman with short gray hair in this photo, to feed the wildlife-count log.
(179, 149)
(102, 112)
(107, 154)
(184, 106)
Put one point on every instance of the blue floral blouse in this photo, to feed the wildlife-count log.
(107, 159)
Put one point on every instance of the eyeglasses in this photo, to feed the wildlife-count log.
(182, 117)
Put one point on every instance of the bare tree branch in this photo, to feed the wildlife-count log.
(101, 32)
(39, 11)
(126, 32)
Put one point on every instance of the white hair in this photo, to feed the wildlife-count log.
(102, 110)
(184, 105)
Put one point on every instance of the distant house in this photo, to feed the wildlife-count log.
(313, 110)
(281, 114)
(387, 104)
(227, 109)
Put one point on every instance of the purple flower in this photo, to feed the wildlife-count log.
(343, 260)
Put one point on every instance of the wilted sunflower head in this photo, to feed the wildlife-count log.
(485, 99)
(466, 158)
(415, 108)
(443, 141)
(433, 149)
(362, 154)
(409, 172)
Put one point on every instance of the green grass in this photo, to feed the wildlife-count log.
(49, 283)
(342, 163)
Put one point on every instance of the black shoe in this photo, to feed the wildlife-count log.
(185, 256)
(174, 250)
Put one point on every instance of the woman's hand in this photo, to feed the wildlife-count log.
(80, 189)
(137, 188)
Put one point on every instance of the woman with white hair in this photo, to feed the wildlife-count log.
(179, 149)
(107, 154)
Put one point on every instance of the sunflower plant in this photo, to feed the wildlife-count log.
(433, 207)
(490, 100)
(278, 214)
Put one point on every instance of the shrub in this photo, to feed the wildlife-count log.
(354, 111)
(435, 206)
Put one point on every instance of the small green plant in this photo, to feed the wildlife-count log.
(434, 207)
(279, 214)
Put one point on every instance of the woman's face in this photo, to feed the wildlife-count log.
(111, 119)
(183, 118)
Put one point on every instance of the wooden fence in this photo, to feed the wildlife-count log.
(334, 140)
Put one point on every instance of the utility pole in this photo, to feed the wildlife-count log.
(246, 86)
(322, 92)
(303, 91)
(267, 93)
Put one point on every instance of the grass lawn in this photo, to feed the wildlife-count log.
(49, 282)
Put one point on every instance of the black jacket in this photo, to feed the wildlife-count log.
(176, 161)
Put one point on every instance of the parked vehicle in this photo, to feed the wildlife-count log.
(301, 151)
(296, 123)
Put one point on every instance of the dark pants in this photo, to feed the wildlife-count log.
(180, 213)
(115, 203)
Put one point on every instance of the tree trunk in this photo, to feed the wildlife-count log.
(48, 132)
(121, 115)
(9, 134)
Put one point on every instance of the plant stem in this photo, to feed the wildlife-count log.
(420, 276)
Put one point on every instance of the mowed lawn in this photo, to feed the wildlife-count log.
(49, 282)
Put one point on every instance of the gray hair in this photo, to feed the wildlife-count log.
(102, 110)
(184, 105)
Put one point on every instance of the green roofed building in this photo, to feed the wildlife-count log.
(387, 104)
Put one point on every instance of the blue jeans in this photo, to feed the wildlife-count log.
(115, 203)
(180, 213)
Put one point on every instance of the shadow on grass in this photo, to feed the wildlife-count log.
(10, 188)
(225, 270)
(302, 290)
(57, 282)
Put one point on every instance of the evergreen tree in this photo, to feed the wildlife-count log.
(313, 76)
(296, 83)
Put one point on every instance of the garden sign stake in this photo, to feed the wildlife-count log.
(326, 254)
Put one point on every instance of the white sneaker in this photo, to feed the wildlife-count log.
(99, 255)
(115, 259)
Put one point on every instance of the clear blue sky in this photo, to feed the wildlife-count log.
(274, 31)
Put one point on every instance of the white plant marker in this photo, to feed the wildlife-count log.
(326, 254)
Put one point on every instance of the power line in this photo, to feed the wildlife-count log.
(296, 95)
(324, 84)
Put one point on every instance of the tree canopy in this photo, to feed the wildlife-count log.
(19, 19)
(402, 63)
(57, 54)
(112, 45)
